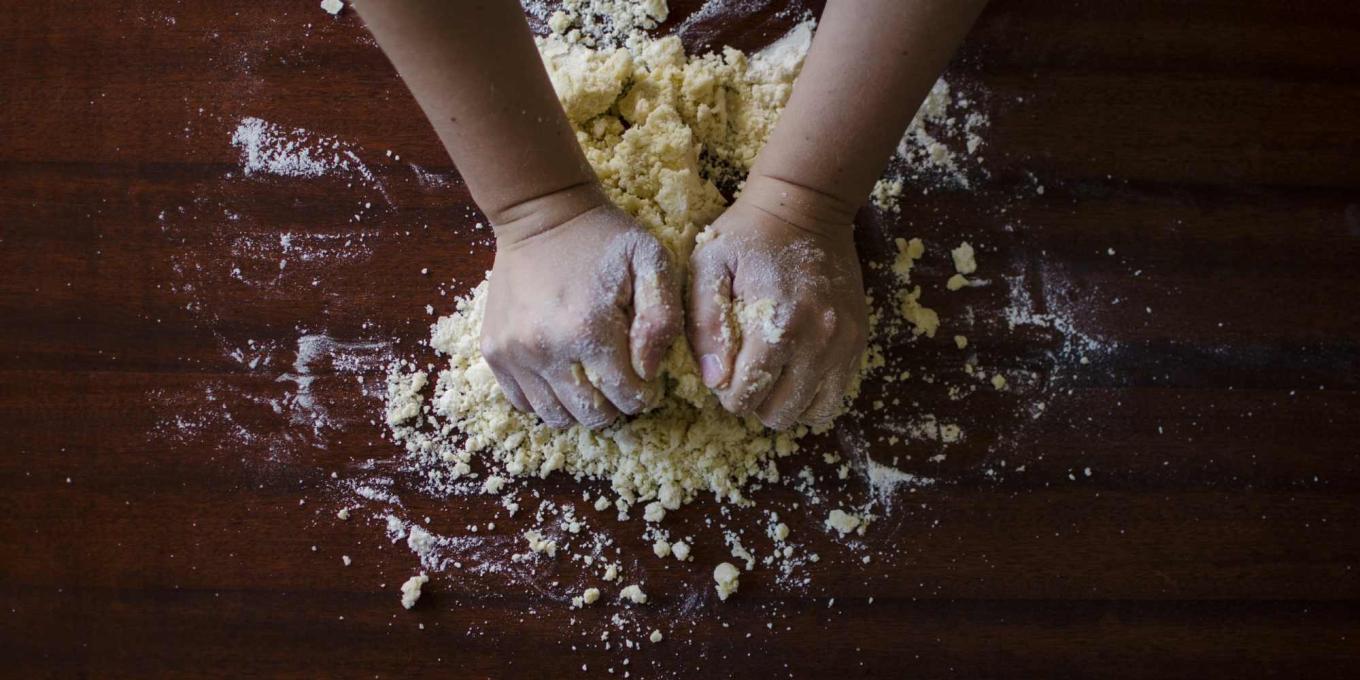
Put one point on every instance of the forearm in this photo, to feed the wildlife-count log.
(474, 70)
(871, 64)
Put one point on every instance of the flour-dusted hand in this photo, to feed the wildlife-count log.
(579, 316)
(777, 315)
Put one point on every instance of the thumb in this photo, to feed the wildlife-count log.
(712, 329)
(656, 308)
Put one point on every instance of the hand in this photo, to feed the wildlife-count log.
(777, 315)
(579, 315)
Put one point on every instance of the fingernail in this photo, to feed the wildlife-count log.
(710, 366)
(640, 368)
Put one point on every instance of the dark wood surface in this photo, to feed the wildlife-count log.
(158, 515)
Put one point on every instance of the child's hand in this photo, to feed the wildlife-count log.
(786, 245)
(579, 316)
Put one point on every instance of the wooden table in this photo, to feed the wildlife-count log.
(1188, 499)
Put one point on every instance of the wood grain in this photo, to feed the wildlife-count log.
(159, 514)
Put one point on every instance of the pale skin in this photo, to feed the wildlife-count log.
(583, 303)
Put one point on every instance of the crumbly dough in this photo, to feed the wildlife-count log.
(539, 544)
(642, 115)
(908, 252)
(725, 577)
(844, 522)
(924, 320)
(410, 590)
(680, 550)
(758, 317)
(661, 548)
(587, 597)
(965, 260)
(634, 594)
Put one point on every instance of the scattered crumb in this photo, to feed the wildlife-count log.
(964, 260)
(726, 576)
(410, 590)
(634, 594)
(844, 522)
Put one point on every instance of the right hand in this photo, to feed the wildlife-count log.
(579, 315)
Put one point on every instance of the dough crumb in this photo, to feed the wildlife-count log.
(655, 636)
(333, 7)
(960, 341)
(964, 262)
(844, 522)
(680, 550)
(908, 252)
(759, 317)
(924, 320)
(587, 597)
(661, 548)
(634, 594)
(539, 544)
(956, 282)
(410, 590)
(726, 576)
(493, 484)
(886, 194)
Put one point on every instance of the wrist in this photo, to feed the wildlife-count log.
(802, 206)
(527, 218)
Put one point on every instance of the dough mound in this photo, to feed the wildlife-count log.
(659, 128)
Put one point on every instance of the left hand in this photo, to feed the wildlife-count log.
(797, 277)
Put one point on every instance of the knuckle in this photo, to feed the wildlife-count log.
(628, 406)
(492, 348)
(859, 339)
(599, 420)
(776, 420)
(661, 327)
(817, 416)
(555, 419)
(733, 401)
(829, 320)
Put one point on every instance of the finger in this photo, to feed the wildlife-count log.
(757, 370)
(711, 326)
(656, 307)
(610, 373)
(544, 400)
(585, 403)
(511, 388)
(790, 396)
(830, 399)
